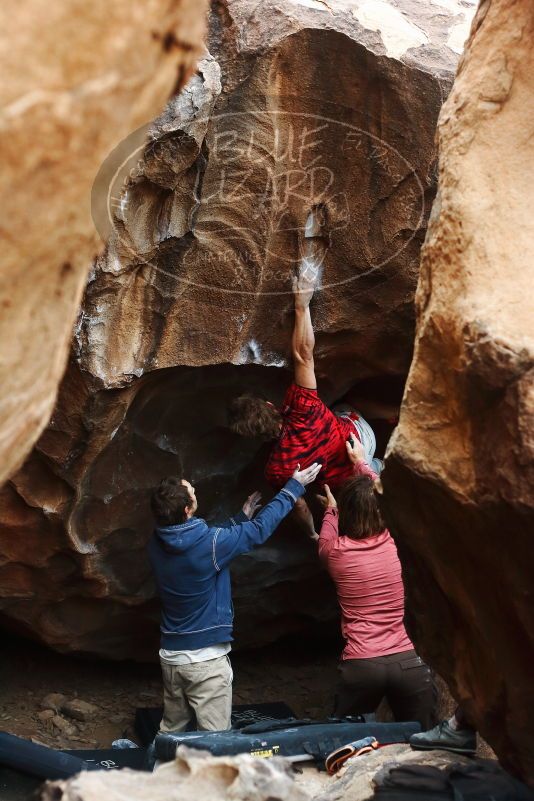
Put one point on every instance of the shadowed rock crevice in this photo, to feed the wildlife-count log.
(95, 569)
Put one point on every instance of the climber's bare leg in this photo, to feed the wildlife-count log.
(304, 517)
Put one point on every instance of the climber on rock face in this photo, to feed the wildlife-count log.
(305, 429)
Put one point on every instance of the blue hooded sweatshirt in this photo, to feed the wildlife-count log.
(191, 562)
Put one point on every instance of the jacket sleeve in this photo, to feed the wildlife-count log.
(361, 468)
(328, 535)
(240, 517)
(230, 542)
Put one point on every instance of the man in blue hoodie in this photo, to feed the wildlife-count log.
(191, 562)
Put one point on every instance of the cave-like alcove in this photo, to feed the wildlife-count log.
(176, 423)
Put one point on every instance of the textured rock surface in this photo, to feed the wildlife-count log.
(460, 474)
(302, 110)
(244, 778)
(191, 776)
(77, 77)
(359, 776)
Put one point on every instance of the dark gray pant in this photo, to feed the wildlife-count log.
(462, 719)
(403, 679)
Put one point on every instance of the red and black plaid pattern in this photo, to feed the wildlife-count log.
(310, 433)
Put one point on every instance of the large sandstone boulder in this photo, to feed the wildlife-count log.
(307, 132)
(459, 477)
(77, 77)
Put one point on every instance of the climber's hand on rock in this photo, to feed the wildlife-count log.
(327, 500)
(354, 449)
(252, 504)
(308, 475)
(304, 284)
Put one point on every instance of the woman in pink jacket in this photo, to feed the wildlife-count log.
(379, 659)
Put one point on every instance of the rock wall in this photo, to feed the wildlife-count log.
(459, 476)
(77, 77)
(313, 111)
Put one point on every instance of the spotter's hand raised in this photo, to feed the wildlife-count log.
(308, 475)
(354, 449)
(252, 504)
(327, 500)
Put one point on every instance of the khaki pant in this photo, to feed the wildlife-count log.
(200, 692)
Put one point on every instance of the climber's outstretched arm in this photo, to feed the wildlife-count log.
(303, 336)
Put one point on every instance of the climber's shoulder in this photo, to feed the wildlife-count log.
(301, 400)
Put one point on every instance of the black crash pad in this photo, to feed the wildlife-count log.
(297, 739)
(147, 720)
(113, 758)
(16, 785)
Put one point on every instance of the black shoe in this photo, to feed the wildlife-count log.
(461, 741)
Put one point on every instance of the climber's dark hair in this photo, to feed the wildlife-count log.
(359, 513)
(250, 416)
(169, 501)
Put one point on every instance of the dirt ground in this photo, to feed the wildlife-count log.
(29, 673)
(295, 672)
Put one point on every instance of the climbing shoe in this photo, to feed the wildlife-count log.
(463, 741)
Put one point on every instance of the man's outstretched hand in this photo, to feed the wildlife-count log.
(308, 475)
(252, 504)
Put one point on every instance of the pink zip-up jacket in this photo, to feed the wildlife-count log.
(367, 575)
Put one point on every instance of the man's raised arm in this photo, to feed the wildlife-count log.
(231, 542)
(247, 512)
(303, 337)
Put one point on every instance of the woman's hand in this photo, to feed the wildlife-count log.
(355, 450)
(252, 504)
(328, 501)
